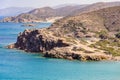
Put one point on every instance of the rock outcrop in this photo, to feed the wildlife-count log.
(37, 41)
(54, 47)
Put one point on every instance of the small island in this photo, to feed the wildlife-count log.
(28, 25)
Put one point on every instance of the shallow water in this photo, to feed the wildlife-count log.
(19, 65)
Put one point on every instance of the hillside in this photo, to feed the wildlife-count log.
(107, 19)
(96, 6)
(90, 36)
(47, 14)
(43, 14)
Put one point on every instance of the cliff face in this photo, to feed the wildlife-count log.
(38, 41)
(89, 36)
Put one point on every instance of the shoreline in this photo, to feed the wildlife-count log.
(52, 56)
(64, 53)
(47, 20)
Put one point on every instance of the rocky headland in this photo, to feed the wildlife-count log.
(92, 36)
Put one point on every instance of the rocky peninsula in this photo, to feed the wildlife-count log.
(92, 36)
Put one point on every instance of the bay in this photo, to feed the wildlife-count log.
(19, 65)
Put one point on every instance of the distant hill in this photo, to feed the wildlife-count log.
(64, 5)
(48, 13)
(96, 6)
(43, 14)
(67, 10)
(14, 11)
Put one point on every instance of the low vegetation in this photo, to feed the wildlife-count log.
(118, 35)
(110, 47)
(103, 34)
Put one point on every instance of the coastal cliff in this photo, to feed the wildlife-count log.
(90, 36)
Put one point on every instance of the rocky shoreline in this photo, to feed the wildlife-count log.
(49, 46)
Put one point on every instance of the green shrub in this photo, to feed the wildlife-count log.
(117, 35)
(109, 47)
(103, 34)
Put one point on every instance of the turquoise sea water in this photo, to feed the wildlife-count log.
(19, 65)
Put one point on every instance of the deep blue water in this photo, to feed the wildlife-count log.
(19, 65)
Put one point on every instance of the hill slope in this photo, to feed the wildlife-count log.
(43, 14)
(105, 19)
(96, 6)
